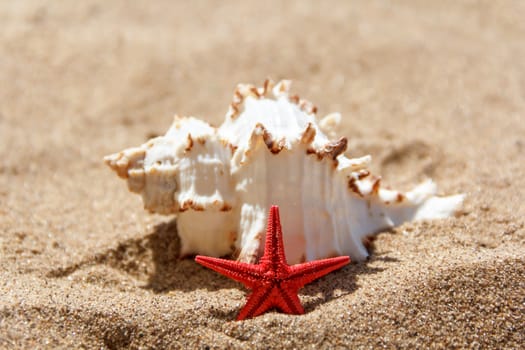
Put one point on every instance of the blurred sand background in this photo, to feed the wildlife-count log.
(428, 88)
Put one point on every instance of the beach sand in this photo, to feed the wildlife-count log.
(429, 89)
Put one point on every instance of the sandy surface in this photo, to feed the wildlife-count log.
(428, 90)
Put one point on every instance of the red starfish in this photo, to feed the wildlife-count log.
(274, 283)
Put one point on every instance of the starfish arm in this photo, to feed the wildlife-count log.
(288, 300)
(247, 274)
(274, 246)
(258, 302)
(307, 272)
(277, 296)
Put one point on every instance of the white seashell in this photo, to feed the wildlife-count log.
(270, 150)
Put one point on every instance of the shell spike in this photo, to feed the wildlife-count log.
(308, 134)
(121, 162)
(330, 123)
(189, 144)
(335, 148)
(282, 88)
(347, 165)
(259, 135)
(255, 137)
(267, 87)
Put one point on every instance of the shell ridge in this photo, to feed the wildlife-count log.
(346, 219)
(309, 222)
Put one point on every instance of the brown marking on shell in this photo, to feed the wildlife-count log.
(236, 102)
(376, 185)
(320, 155)
(258, 132)
(333, 149)
(400, 197)
(274, 147)
(353, 186)
(201, 140)
(153, 170)
(310, 150)
(267, 86)
(234, 110)
(307, 106)
(255, 91)
(278, 146)
(246, 90)
(189, 204)
(189, 145)
(238, 97)
(121, 162)
(283, 86)
(197, 207)
(308, 134)
(226, 207)
(185, 206)
(362, 174)
(233, 148)
(229, 145)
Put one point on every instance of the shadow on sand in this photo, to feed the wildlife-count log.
(154, 259)
(172, 273)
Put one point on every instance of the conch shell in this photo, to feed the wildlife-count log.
(270, 150)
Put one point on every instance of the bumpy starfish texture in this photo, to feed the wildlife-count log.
(273, 282)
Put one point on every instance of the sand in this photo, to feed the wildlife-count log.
(429, 89)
